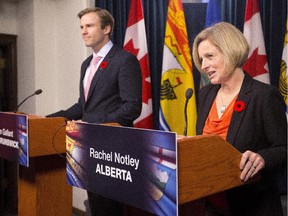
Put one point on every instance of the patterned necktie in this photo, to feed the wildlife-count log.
(92, 72)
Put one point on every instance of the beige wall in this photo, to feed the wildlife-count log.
(50, 52)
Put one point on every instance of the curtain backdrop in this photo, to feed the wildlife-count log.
(273, 16)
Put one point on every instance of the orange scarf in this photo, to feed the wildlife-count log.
(214, 125)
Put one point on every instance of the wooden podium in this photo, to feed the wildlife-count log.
(207, 164)
(42, 187)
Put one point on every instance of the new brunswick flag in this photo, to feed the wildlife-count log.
(283, 80)
(177, 74)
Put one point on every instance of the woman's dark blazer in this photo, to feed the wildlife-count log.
(260, 127)
(115, 94)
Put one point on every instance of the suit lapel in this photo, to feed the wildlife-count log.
(84, 67)
(236, 120)
(82, 75)
(209, 98)
(108, 58)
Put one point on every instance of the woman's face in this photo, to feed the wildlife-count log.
(212, 62)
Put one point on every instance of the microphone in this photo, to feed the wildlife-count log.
(37, 92)
(188, 95)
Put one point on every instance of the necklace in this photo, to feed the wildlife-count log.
(223, 108)
(228, 98)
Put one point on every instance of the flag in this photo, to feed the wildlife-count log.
(213, 16)
(161, 185)
(256, 64)
(177, 74)
(283, 80)
(135, 42)
(161, 173)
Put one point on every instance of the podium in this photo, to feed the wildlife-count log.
(149, 169)
(42, 187)
(207, 164)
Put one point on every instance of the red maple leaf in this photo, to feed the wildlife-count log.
(254, 66)
(146, 85)
(129, 46)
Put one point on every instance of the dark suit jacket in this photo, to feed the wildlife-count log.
(115, 94)
(260, 127)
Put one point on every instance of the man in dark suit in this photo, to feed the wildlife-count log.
(114, 94)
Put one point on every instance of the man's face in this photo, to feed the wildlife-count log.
(92, 34)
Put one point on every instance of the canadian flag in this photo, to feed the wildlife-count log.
(256, 64)
(135, 42)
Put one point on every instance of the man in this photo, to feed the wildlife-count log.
(114, 94)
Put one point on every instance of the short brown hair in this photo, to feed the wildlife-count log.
(106, 19)
(229, 40)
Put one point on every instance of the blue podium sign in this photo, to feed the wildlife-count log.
(133, 166)
(14, 138)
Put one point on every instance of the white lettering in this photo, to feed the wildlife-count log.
(10, 143)
(114, 172)
(7, 133)
(126, 160)
(101, 155)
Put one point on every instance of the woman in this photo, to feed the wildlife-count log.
(247, 113)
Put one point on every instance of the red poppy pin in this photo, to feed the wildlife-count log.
(103, 64)
(239, 106)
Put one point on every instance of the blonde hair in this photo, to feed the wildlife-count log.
(229, 40)
(106, 19)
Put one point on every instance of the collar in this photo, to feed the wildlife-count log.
(104, 50)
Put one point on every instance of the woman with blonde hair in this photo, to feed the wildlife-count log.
(247, 113)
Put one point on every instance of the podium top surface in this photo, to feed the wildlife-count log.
(46, 136)
(207, 164)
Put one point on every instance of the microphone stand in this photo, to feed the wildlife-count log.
(185, 117)
(188, 95)
(39, 91)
